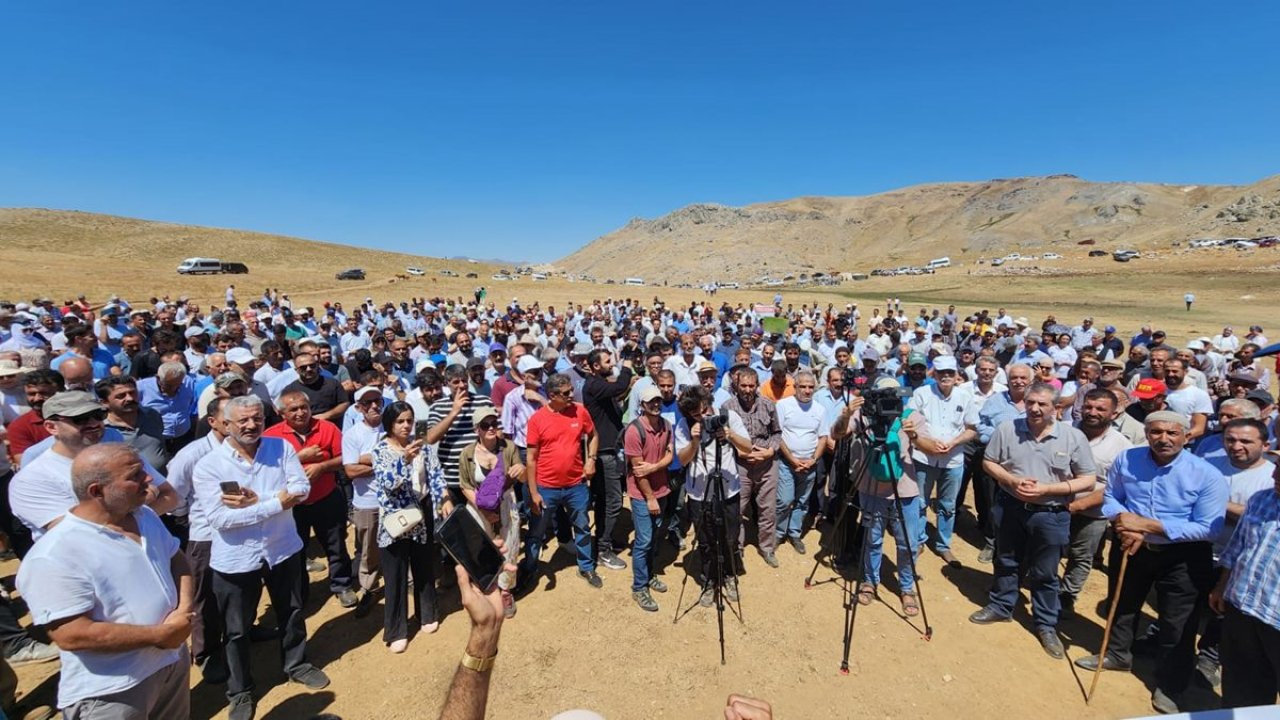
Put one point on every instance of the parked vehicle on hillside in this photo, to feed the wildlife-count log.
(940, 262)
(200, 266)
(415, 271)
(1125, 255)
(234, 268)
(350, 274)
(1052, 256)
(1097, 253)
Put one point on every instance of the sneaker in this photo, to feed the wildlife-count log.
(429, 628)
(987, 555)
(657, 585)
(311, 676)
(508, 605)
(731, 589)
(398, 646)
(348, 598)
(592, 578)
(611, 561)
(644, 600)
(315, 566)
(770, 559)
(33, 653)
(241, 707)
(797, 544)
(708, 597)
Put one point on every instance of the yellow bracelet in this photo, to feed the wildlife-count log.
(471, 662)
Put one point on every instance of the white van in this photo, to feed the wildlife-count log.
(633, 281)
(196, 266)
(940, 263)
(538, 276)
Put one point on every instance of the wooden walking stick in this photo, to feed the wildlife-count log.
(1106, 632)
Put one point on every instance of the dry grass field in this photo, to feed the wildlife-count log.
(571, 646)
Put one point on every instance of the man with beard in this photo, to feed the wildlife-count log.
(1165, 506)
(601, 396)
(1087, 523)
(757, 469)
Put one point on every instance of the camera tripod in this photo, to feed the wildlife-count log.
(716, 529)
(875, 443)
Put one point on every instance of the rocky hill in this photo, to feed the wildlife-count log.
(965, 221)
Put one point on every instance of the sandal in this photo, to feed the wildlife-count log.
(866, 593)
(910, 606)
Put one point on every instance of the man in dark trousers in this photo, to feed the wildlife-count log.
(602, 396)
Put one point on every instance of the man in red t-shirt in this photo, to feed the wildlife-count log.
(28, 428)
(319, 447)
(648, 449)
(557, 473)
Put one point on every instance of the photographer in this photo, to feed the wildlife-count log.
(700, 458)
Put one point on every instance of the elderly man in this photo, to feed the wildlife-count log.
(805, 428)
(757, 469)
(122, 620)
(997, 409)
(358, 442)
(255, 542)
(318, 444)
(1165, 507)
(171, 393)
(1039, 464)
(951, 416)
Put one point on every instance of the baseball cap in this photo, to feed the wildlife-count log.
(944, 362)
(71, 403)
(227, 379)
(916, 358)
(582, 349)
(870, 353)
(1258, 395)
(1195, 345)
(1109, 329)
(650, 393)
(1150, 388)
(239, 356)
(193, 331)
(480, 413)
(368, 390)
(527, 363)
(475, 363)
(497, 347)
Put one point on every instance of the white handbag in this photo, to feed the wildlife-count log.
(401, 522)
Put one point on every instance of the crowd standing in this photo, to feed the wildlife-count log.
(166, 462)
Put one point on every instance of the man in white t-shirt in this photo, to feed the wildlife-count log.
(951, 417)
(1227, 342)
(357, 462)
(114, 591)
(1186, 399)
(805, 429)
(41, 492)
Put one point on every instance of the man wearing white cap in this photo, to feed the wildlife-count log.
(358, 442)
(197, 345)
(951, 418)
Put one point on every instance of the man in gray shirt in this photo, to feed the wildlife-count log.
(1038, 464)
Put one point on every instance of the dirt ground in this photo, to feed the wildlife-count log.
(571, 646)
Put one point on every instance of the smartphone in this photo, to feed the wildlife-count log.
(419, 429)
(469, 545)
(231, 487)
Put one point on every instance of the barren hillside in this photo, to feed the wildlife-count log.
(964, 221)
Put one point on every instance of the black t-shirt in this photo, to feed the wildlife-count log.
(602, 398)
(325, 395)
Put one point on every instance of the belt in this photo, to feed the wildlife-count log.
(1155, 547)
(1032, 507)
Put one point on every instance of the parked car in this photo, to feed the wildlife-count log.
(351, 274)
(1097, 253)
(472, 275)
(235, 268)
(415, 271)
(997, 262)
(1245, 244)
(1124, 255)
(1052, 256)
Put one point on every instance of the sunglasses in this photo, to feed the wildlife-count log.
(563, 394)
(487, 425)
(300, 368)
(82, 420)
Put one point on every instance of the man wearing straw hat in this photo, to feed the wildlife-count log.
(1165, 507)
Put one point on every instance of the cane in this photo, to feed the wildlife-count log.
(1106, 632)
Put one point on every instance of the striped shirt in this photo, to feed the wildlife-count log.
(1253, 556)
(460, 434)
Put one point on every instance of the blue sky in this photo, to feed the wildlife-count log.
(523, 130)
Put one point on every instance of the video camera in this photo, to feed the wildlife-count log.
(713, 424)
(883, 405)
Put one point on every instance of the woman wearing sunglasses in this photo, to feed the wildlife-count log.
(488, 470)
(407, 477)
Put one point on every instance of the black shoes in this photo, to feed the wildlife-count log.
(592, 578)
(987, 616)
(311, 676)
(1051, 643)
(1090, 663)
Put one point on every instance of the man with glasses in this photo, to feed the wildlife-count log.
(557, 473)
(318, 444)
(41, 492)
(449, 421)
(327, 399)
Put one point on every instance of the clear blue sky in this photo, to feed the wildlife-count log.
(523, 130)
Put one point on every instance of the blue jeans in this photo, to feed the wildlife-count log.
(575, 500)
(1037, 539)
(947, 481)
(876, 514)
(646, 526)
(793, 498)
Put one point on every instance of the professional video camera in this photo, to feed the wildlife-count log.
(712, 424)
(884, 403)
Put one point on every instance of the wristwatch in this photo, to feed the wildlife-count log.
(471, 662)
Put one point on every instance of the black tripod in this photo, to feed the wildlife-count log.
(716, 529)
(874, 439)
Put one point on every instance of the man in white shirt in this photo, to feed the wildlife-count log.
(255, 542)
(805, 429)
(114, 591)
(41, 492)
(1186, 399)
(1227, 342)
(951, 419)
(358, 442)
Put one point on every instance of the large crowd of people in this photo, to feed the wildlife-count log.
(166, 462)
